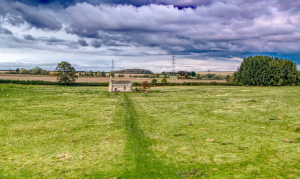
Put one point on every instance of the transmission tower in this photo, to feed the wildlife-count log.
(173, 63)
(112, 65)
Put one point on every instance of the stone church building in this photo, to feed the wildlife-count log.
(119, 86)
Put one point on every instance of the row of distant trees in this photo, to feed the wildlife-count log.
(34, 71)
(92, 73)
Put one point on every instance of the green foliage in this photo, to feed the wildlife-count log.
(264, 70)
(229, 78)
(153, 82)
(10, 72)
(179, 76)
(192, 73)
(45, 72)
(66, 74)
(91, 73)
(112, 73)
(36, 71)
(164, 81)
(136, 84)
(17, 70)
(22, 71)
(103, 74)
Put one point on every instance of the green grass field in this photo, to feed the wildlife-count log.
(86, 132)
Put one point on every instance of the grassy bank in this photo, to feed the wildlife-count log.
(86, 132)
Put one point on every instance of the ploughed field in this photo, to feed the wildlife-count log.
(172, 132)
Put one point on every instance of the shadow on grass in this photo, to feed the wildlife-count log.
(141, 162)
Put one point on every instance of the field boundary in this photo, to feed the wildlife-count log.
(41, 82)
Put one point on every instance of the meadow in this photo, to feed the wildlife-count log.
(172, 132)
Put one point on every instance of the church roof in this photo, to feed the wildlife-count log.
(121, 82)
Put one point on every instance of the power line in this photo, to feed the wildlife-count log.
(112, 65)
(173, 63)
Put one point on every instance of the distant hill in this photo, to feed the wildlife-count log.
(135, 71)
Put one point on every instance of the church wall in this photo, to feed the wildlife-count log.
(120, 87)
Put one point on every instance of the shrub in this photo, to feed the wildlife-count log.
(153, 82)
(164, 81)
(145, 85)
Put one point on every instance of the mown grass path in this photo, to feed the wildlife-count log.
(141, 160)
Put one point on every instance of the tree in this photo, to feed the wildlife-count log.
(163, 73)
(264, 70)
(186, 76)
(145, 85)
(66, 74)
(18, 70)
(36, 71)
(45, 72)
(153, 82)
(193, 73)
(179, 77)
(229, 78)
(103, 74)
(91, 73)
(164, 81)
(22, 71)
(198, 76)
(112, 73)
(98, 73)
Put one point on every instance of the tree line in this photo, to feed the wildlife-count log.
(34, 71)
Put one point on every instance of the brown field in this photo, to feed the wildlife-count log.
(96, 79)
(216, 72)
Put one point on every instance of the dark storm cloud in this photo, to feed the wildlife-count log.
(17, 13)
(96, 43)
(204, 28)
(29, 37)
(36, 18)
(44, 39)
(137, 3)
(83, 43)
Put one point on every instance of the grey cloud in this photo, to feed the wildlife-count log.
(5, 31)
(15, 20)
(96, 43)
(83, 43)
(52, 40)
(29, 37)
(36, 18)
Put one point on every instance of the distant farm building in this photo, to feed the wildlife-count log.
(119, 86)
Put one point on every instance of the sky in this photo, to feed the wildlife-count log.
(203, 35)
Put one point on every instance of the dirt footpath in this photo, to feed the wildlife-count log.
(98, 79)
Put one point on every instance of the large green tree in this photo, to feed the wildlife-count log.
(66, 74)
(264, 70)
(112, 73)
